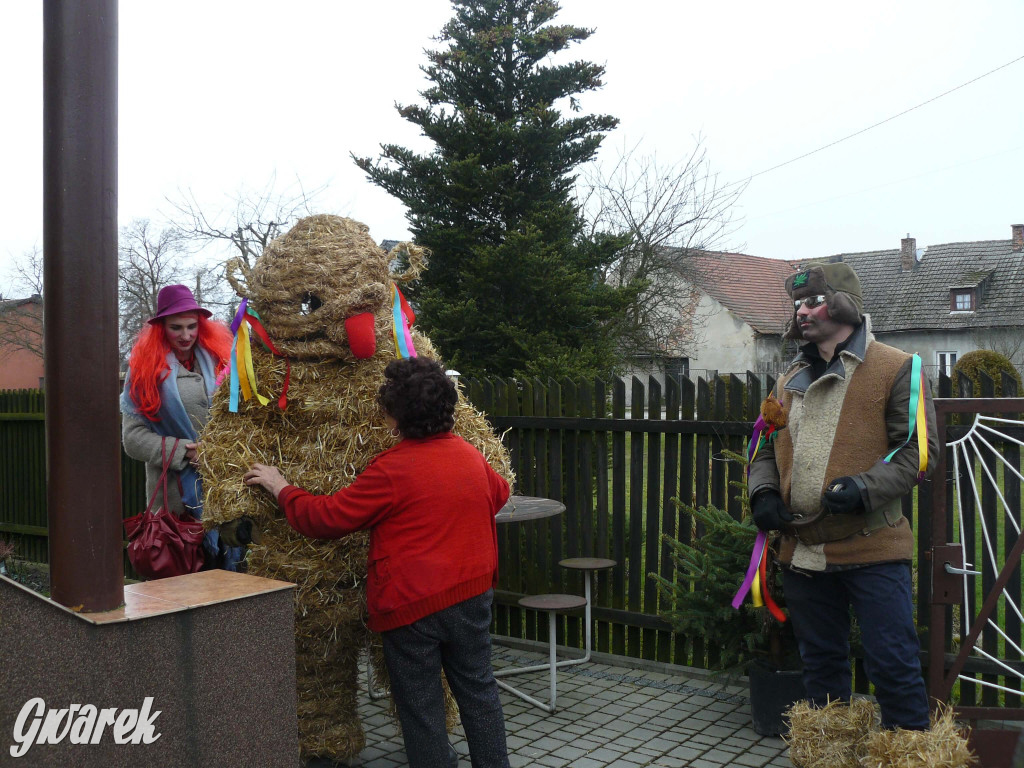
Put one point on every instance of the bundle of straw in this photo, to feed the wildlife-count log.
(832, 736)
(943, 746)
(850, 736)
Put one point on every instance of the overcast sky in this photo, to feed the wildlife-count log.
(219, 98)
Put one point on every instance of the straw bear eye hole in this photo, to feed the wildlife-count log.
(310, 304)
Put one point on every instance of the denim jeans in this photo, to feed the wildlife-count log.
(880, 594)
(458, 640)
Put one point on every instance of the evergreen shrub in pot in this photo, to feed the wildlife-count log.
(709, 569)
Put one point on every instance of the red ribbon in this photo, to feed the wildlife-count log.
(766, 592)
(257, 326)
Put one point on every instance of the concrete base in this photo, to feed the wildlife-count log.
(215, 651)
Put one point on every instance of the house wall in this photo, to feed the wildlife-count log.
(726, 343)
(773, 355)
(20, 368)
(928, 344)
(729, 345)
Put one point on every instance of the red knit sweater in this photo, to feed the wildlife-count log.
(430, 506)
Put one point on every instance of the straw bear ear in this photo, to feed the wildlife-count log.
(416, 258)
(238, 276)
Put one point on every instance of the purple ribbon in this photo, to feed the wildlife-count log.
(239, 316)
(755, 562)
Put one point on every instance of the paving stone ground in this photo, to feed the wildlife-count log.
(609, 714)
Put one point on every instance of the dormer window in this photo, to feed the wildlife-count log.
(962, 300)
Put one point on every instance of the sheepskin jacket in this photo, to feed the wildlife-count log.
(844, 423)
(429, 505)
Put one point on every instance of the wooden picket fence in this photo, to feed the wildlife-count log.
(615, 467)
(23, 477)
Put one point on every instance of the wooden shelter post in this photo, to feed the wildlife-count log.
(80, 311)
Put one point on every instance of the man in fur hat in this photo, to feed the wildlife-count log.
(831, 483)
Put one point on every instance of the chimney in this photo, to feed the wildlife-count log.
(908, 253)
(1018, 238)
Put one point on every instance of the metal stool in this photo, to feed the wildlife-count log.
(552, 604)
(589, 566)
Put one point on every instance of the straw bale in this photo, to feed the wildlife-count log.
(943, 746)
(304, 286)
(832, 736)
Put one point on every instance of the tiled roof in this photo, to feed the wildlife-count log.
(751, 287)
(7, 305)
(918, 299)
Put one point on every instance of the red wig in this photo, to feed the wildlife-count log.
(148, 360)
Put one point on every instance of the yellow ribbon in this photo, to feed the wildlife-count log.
(248, 381)
(922, 431)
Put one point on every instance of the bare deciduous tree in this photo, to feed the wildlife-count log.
(1010, 345)
(21, 316)
(27, 274)
(255, 220)
(21, 326)
(671, 213)
(148, 260)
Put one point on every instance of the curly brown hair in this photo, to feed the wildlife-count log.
(417, 394)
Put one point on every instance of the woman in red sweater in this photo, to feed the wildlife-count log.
(429, 503)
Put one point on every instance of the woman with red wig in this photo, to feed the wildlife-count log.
(172, 373)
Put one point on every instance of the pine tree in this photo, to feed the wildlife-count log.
(513, 286)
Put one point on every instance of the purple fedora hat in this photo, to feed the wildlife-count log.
(174, 300)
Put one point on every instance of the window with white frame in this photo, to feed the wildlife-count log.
(945, 361)
(961, 300)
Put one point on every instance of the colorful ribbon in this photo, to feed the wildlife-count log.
(402, 315)
(756, 580)
(760, 544)
(917, 418)
(759, 438)
(243, 373)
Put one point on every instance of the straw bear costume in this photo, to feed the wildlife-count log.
(330, 307)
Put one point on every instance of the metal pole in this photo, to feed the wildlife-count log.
(936, 672)
(80, 309)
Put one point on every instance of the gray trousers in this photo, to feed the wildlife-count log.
(458, 640)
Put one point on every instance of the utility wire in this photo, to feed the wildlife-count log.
(881, 122)
(888, 183)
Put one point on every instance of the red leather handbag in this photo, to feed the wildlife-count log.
(161, 544)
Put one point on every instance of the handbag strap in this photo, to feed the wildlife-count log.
(165, 461)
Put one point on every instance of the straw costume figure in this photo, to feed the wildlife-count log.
(321, 317)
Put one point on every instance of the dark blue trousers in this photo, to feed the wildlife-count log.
(819, 605)
(458, 640)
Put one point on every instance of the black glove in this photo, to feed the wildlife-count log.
(769, 511)
(842, 497)
(237, 533)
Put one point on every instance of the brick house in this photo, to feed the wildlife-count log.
(21, 343)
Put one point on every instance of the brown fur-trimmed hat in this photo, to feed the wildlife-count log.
(840, 286)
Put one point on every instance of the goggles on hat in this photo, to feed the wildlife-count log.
(809, 301)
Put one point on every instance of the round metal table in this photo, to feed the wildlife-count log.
(519, 508)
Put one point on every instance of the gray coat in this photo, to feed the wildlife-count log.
(143, 444)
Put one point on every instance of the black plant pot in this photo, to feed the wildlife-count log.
(772, 692)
